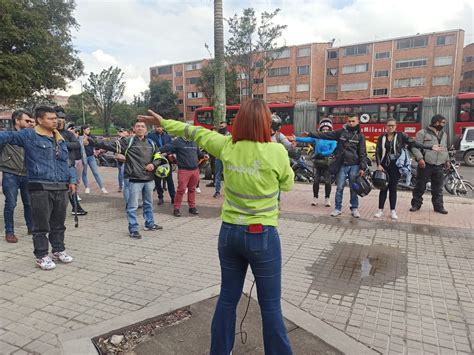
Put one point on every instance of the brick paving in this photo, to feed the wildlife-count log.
(417, 297)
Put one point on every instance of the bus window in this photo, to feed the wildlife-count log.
(407, 112)
(383, 113)
(465, 111)
(5, 124)
(285, 113)
(372, 111)
(204, 117)
(230, 115)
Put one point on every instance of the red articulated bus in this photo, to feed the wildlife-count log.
(464, 112)
(203, 116)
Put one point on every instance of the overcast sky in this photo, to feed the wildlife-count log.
(137, 34)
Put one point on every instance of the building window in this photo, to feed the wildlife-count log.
(258, 96)
(194, 66)
(303, 70)
(414, 42)
(469, 74)
(244, 91)
(356, 68)
(469, 59)
(179, 87)
(258, 81)
(380, 92)
(195, 95)
(331, 72)
(181, 115)
(354, 86)
(302, 87)
(279, 71)
(178, 74)
(331, 89)
(280, 54)
(179, 102)
(441, 80)
(165, 70)
(258, 64)
(444, 40)
(304, 52)
(410, 63)
(243, 76)
(409, 82)
(381, 73)
(192, 81)
(154, 72)
(439, 61)
(382, 55)
(332, 54)
(275, 89)
(356, 50)
(193, 108)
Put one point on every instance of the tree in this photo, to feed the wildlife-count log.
(36, 51)
(206, 81)
(251, 49)
(124, 115)
(162, 99)
(219, 65)
(105, 90)
(73, 109)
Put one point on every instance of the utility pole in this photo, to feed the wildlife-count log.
(82, 101)
(219, 61)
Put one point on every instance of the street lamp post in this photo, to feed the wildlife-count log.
(82, 102)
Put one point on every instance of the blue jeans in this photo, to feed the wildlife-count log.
(146, 190)
(95, 171)
(126, 190)
(121, 168)
(218, 174)
(11, 184)
(351, 172)
(237, 249)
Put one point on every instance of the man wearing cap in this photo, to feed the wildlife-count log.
(142, 158)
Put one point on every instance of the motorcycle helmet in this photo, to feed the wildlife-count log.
(361, 186)
(276, 122)
(325, 122)
(294, 153)
(163, 170)
(380, 179)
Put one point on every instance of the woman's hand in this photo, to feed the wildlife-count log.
(153, 119)
(380, 167)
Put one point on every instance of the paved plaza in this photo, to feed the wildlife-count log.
(415, 297)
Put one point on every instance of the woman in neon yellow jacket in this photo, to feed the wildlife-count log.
(255, 171)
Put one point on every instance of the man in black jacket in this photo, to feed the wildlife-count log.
(74, 153)
(142, 157)
(350, 160)
(187, 156)
(12, 164)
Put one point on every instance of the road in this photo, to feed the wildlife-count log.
(467, 173)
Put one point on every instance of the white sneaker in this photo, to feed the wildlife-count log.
(336, 213)
(78, 198)
(327, 203)
(45, 263)
(379, 214)
(186, 191)
(63, 257)
(87, 191)
(355, 213)
(315, 201)
(393, 214)
(198, 190)
(104, 191)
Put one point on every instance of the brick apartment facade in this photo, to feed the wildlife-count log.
(421, 65)
(467, 80)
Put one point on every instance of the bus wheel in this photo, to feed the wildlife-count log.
(469, 158)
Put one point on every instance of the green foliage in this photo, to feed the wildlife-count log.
(206, 84)
(105, 90)
(73, 110)
(250, 43)
(163, 99)
(36, 51)
(125, 115)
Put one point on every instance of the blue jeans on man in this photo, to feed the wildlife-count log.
(91, 162)
(11, 184)
(121, 169)
(346, 172)
(237, 249)
(218, 174)
(135, 189)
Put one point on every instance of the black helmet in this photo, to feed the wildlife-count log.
(294, 153)
(361, 186)
(380, 179)
(276, 122)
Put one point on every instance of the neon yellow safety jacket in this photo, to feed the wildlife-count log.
(255, 173)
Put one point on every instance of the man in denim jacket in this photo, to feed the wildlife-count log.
(49, 180)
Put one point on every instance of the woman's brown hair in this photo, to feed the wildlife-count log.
(252, 122)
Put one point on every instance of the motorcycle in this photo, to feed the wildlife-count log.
(302, 171)
(454, 182)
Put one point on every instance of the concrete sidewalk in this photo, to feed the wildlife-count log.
(417, 298)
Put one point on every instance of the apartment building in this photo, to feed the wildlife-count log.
(421, 65)
(467, 80)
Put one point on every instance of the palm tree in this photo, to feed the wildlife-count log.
(219, 62)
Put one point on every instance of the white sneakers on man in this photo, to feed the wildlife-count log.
(63, 257)
(45, 263)
(355, 213)
(336, 213)
(104, 191)
(198, 190)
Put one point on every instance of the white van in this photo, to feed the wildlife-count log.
(466, 146)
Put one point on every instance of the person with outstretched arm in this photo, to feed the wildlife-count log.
(255, 170)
